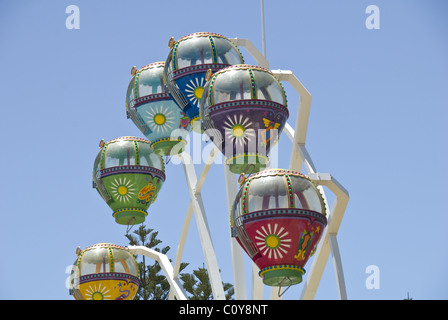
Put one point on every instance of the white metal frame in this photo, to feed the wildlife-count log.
(166, 266)
(299, 155)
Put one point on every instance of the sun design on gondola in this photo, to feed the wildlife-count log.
(94, 292)
(160, 119)
(273, 241)
(237, 129)
(122, 189)
(194, 90)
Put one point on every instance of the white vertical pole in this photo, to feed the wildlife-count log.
(236, 251)
(186, 226)
(263, 37)
(181, 245)
(337, 264)
(327, 242)
(257, 284)
(203, 229)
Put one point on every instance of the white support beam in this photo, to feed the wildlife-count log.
(310, 167)
(302, 118)
(203, 229)
(188, 215)
(253, 51)
(328, 244)
(181, 246)
(320, 259)
(323, 251)
(205, 169)
(342, 197)
(263, 34)
(337, 264)
(239, 281)
(257, 284)
(166, 266)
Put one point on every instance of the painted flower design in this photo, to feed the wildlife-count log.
(122, 189)
(194, 90)
(160, 119)
(94, 292)
(273, 241)
(237, 129)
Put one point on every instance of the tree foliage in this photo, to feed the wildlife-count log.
(153, 283)
(198, 285)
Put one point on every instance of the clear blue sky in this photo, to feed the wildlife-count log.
(377, 124)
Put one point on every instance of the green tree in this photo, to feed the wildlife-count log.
(198, 285)
(153, 283)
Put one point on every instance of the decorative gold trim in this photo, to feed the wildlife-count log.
(242, 178)
(198, 117)
(171, 42)
(282, 267)
(168, 139)
(208, 74)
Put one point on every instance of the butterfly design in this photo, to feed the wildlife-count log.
(270, 125)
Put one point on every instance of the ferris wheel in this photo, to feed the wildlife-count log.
(279, 217)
